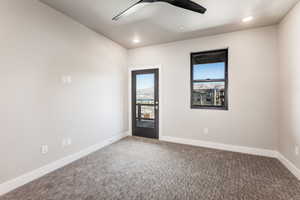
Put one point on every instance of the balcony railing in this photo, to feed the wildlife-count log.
(140, 115)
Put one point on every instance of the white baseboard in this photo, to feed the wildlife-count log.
(28, 177)
(240, 149)
(288, 164)
(130, 133)
(219, 146)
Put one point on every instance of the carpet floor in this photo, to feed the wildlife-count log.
(144, 169)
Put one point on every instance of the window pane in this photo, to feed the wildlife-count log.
(209, 71)
(145, 116)
(146, 112)
(208, 94)
(145, 88)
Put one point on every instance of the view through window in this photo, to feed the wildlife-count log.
(209, 71)
(145, 100)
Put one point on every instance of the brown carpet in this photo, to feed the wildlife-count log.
(143, 169)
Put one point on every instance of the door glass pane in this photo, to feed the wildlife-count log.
(208, 94)
(209, 71)
(145, 88)
(145, 116)
(145, 112)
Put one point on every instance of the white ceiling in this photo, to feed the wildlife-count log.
(161, 22)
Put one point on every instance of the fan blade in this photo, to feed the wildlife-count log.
(188, 5)
(131, 9)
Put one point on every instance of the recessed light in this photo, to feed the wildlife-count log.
(136, 40)
(248, 19)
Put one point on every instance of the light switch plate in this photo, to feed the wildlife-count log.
(66, 79)
(44, 149)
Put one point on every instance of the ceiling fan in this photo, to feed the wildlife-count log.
(185, 4)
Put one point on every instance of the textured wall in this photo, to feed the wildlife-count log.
(37, 47)
(252, 119)
(289, 46)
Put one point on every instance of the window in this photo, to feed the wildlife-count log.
(209, 80)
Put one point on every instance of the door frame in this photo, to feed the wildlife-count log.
(145, 131)
(160, 96)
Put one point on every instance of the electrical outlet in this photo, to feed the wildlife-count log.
(69, 141)
(111, 140)
(297, 150)
(44, 149)
(64, 143)
(205, 131)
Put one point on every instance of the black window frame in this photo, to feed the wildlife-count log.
(192, 81)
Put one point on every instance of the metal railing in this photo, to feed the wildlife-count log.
(139, 109)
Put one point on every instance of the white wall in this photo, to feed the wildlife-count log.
(37, 46)
(252, 119)
(289, 46)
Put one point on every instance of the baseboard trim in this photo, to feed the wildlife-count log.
(240, 149)
(289, 165)
(224, 147)
(31, 176)
(35, 174)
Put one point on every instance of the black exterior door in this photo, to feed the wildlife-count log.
(145, 105)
